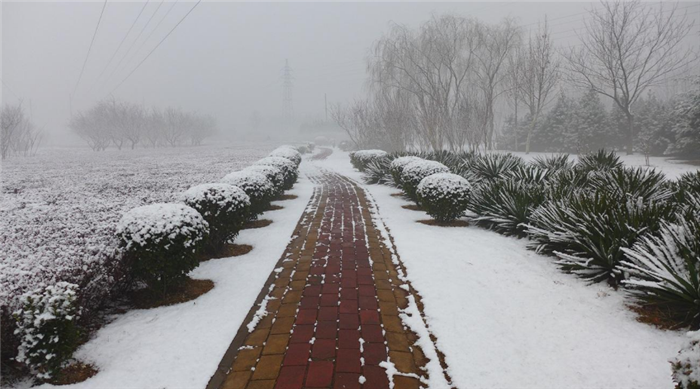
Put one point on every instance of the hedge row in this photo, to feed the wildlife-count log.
(159, 245)
(599, 220)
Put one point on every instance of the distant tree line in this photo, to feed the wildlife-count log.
(584, 125)
(447, 83)
(19, 135)
(122, 124)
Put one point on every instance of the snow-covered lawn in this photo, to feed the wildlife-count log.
(180, 346)
(506, 317)
(59, 209)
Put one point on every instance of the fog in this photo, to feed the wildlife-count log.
(224, 59)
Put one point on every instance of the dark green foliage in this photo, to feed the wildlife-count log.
(505, 204)
(565, 183)
(492, 166)
(624, 182)
(555, 162)
(600, 160)
(686, 186)
(444, 196)
(588, 230)
(664, 270)
(413, 173)
(377, 172)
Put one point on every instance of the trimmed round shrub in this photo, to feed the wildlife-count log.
(272, 173)
(588, 231)
(288, 168)
(46, 325)
(396, 167)
(287, 152)
(686, 365)
(414, 172)
(361, 159)
(225, 208)
(506, 205)
(444, 196)
(259, 189)
(664, 270)
(161, 241)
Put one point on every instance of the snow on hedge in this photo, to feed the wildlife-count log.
(273, 173)
(443, 183)
(254, 184)
(399, 163)
(686, 365)
(224, 196)
(155, 223)
(288, 152)
(417, 170)
(289, 169)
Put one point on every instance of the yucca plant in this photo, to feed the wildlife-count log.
(531, 174)
(492, 166)
(554, 162)
(505, 205)
(377, 172)
(588, 230)
(664, 270)
(688, 185)
(633, 183)
(565, 183)
(600, 160)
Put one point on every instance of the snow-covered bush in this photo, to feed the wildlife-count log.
(259, 189)
(224, 207)
(506, 204)
(414, 172)
(396, 167)
(444, 196)
(288, 168)
(685, 186)
(161, 241)
(289, 152)
(360, 159)
(686, 365)
(588, 230)
(272, 173)
(664, 270)
(46, 326)
(492, 166)
(633, 183)
(600, 160)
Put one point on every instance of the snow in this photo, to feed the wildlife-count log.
(440, 184)
(180, 346)
(688, 361)
(288, 152)
(505, 316)
(155, 222)
(223, 195)
(417, 170)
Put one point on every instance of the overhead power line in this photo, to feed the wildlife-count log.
(156, 47)
(122, 42)
(94, 34)
(138, 50)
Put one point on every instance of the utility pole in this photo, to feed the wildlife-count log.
(287, 102)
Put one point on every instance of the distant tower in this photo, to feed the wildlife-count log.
(287, 101)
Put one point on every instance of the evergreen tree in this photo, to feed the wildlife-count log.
(551, 134)
(651, 127)
(588, 134)
(685, 124)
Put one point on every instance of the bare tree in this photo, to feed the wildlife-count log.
(496, 45)
(360, 122)
(11, 119)
(629, 47)
(538, 75)
(203, 126)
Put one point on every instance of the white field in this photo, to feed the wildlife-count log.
(506, 317)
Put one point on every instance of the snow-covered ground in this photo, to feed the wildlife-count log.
(506, 317)
(59, 209)
(180, 346)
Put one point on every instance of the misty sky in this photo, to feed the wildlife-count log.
(225, 59)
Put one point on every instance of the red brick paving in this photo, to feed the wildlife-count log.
(325, 301)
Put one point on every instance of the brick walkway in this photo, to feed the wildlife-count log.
(332, 307)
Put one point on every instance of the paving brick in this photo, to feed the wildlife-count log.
(323, 349)
(282, 325)
(237, 380)
(349, 306)
(320, 374)
(246, 359)
(349, 339)
(348, 361)
(403, 361)
(346, 381)
(326, 330)
(257, 337)
(306, 316)
(302, 334)
(264, 384)
(396, 341)
(268, 367)
(276, 344)
(406, 382)
(369, 317)
(328, 313)
(297, 354)
(376, 377)
(291, 377)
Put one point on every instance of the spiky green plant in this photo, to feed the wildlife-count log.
(506, 204)
(664, 270)
(492, 166)
(600, 160)
(554, 162)
(588, 230)
(377, 172)
(686, 186)
(633, 183)
(565, 183)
